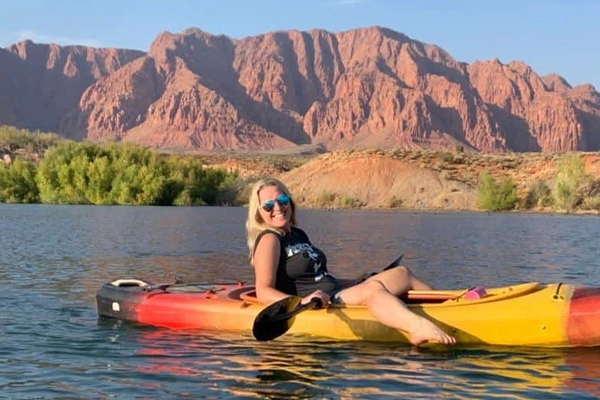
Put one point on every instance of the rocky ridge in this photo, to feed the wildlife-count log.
(41, 83)
(364, 88)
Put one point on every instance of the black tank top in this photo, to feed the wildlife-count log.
(302, 267)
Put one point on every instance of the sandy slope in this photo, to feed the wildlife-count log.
(376, 181)
(409, 179)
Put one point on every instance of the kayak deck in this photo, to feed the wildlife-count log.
(528, 314)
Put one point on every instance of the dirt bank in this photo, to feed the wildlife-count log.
(409, 179)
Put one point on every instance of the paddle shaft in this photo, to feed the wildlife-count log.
(314, 303)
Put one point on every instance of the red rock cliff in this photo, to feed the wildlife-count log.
(368, 87)
(41, 83)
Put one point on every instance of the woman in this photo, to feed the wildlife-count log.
(286, 263)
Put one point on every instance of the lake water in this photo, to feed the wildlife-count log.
(54, 258)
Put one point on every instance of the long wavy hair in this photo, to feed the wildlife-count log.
(255, 224)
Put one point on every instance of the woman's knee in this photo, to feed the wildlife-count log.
(399, 273)
(372, 286)
(402, 270)
(361, 293)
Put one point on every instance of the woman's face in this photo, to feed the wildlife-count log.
(273, 208)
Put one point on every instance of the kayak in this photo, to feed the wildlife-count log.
(527, 314)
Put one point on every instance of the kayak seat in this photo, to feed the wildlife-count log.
(249, 297)
(473, 293)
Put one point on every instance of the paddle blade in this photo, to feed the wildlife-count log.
(272, 322)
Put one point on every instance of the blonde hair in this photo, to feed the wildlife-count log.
(255, 224)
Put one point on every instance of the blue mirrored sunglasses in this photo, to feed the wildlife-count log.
(282, 200)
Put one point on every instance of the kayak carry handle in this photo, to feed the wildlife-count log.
(129, 283)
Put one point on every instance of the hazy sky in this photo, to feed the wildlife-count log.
(560, 36)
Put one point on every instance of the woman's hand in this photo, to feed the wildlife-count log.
(319, 294)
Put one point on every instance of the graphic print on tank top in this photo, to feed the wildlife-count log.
(305, 266)
(308, 252)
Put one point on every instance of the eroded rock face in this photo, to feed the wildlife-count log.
(538, 113)
(41, 83)
(363, 88)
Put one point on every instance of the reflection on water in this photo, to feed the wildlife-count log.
(584, 365)
(180, 363)
(55, 258)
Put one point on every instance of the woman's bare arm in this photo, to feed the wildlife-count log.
(265, 262)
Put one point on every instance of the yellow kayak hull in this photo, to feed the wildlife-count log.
(529, 314)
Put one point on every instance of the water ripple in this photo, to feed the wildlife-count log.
(52, 344)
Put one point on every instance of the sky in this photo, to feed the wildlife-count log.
(552, 36)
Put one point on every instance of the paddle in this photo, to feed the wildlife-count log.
(277, 318)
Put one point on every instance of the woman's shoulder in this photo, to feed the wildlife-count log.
(271, 236)
(269, 232)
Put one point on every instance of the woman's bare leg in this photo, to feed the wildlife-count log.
(399, 280)
(391, 311)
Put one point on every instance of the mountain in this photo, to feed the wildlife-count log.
(41, 83)
(364, 88)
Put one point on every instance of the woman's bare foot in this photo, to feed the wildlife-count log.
(425, 331)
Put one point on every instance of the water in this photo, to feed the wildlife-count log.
(54, 258)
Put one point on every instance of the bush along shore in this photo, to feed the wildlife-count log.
(43, 168)
(112, 174)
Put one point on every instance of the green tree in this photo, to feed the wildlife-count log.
(101, 175)
(139, 176)
(126, 174)
(230, 191)
(17, 183)
(496, 197)
(62, 174)
(570, 175)
(539, 195)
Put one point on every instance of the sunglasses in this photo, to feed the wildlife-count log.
(283, 200)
